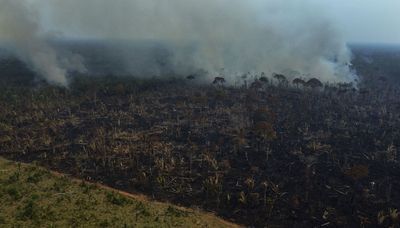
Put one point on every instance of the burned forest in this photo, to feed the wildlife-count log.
(270, 151)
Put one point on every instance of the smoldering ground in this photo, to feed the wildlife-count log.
(182, 36)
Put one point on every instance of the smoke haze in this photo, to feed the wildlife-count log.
(291, 37)
(20, 31)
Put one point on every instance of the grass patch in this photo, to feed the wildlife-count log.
(117, 199)
(14, 193)
(33, 197)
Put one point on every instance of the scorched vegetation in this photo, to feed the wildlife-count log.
(275, 151)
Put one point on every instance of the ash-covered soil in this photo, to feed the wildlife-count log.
(269, 153)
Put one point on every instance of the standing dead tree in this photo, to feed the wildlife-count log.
(314, 83)
(282, 80)
(298, 82)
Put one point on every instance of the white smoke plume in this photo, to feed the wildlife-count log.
(292, 37)
(21, 31)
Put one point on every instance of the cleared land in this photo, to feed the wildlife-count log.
(272, 150)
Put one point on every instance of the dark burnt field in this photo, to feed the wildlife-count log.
(270, 153)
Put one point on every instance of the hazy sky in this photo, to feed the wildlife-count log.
(373, 21)
(366, 21)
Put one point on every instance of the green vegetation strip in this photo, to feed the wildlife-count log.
(34, 197)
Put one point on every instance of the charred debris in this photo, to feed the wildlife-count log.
(273, 152)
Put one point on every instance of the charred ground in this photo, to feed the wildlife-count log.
(269, 153)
